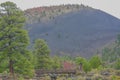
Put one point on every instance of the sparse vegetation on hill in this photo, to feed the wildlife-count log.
(43, 14)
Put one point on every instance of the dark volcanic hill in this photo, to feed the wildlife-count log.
(81, 32)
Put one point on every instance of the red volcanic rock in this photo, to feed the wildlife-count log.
(68, 65)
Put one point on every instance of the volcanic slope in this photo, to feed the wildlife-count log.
(81, 32)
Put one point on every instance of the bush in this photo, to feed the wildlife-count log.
(95, 62)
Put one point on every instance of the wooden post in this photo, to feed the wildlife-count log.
(81, 67)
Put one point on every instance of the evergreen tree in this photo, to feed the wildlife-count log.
(95, 62)
(42, 53)
(13, 38)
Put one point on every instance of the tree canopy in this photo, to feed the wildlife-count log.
(13, 38)
(42, 53)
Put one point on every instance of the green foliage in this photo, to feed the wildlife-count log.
(42, 52)
(105, 54)
(84, 62)
(111, 54)
(14, 41)
(80, 60)
(117, 64)
(27, 68)
(56, 62)
(115, 77)
(3, 66)
(95, 62)
(66, 58)
(86, 66)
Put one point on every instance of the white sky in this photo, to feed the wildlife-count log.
(110, 6)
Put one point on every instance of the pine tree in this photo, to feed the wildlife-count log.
(13, 38)
(42, 53)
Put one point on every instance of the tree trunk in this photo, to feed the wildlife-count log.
(11, 68)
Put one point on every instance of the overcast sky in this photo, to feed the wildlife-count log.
(110, 6)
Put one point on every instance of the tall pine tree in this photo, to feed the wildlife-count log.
(13, 38)
(42, 53)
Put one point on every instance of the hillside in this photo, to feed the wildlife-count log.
(74, 30)
(47, 13)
